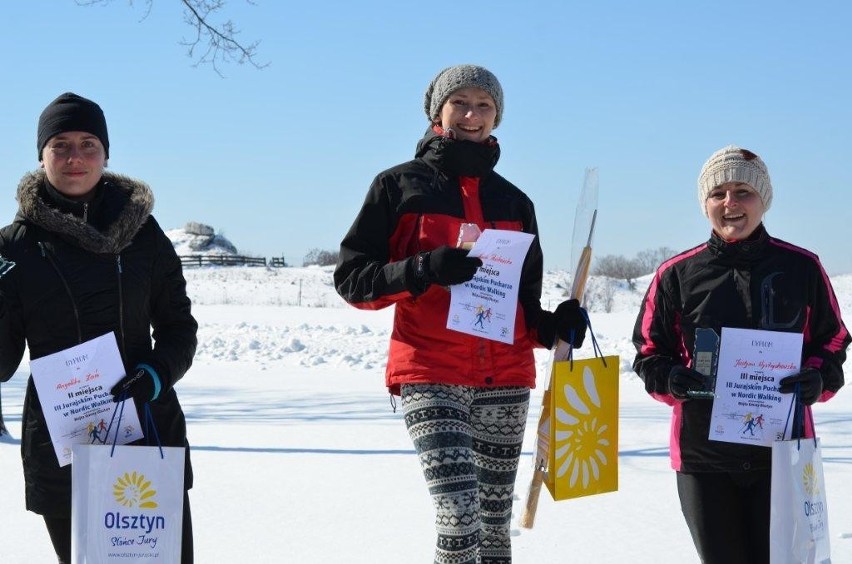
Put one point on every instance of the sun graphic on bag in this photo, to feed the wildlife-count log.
(133, 490)
(810, 480)
(580, 450)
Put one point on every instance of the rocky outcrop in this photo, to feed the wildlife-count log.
(202, 238)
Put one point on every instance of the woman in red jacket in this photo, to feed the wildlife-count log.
(465, 398)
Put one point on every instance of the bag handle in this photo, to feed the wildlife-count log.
(595, 346)
(119, 409)
(799, 417)
(149, 419)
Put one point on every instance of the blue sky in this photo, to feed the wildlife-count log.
(279, 159)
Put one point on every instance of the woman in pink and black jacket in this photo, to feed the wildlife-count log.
(740, 278)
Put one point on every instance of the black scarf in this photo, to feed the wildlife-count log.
(458, 157)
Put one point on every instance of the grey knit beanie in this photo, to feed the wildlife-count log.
(455, 78)
(734, 164)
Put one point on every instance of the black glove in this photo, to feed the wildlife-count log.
(139, 384)
(566, 322)
(810, 385)
(683, 380)
(445, 266)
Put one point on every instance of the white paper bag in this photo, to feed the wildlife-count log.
(799, 511)
(127, 505)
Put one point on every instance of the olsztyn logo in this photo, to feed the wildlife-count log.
(809, 480)
(133, 490)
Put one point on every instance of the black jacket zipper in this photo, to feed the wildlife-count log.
(119, 270)
(120, 306)
(49, 256)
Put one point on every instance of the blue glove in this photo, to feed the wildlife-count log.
(142, 384)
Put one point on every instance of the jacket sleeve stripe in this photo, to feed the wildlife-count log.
(648, 347)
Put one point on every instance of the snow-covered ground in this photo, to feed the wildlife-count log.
(299, 457)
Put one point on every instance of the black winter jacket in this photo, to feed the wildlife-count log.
(760, 283)
(83, 270)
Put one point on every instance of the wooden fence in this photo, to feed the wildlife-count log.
(225, 260)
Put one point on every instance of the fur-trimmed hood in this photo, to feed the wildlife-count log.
(115, 238)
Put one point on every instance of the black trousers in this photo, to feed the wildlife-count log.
(59, 529)
(727, 515)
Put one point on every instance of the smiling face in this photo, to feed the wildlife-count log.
(735, 210)
(74, 163)
(470, 113)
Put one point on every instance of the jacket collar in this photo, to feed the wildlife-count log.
(456, 157)
(129, 200)
(86, 210)
(746, 251)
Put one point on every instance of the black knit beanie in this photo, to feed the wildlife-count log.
(70, 112)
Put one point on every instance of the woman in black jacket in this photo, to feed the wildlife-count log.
(89, 259)
(740, 278)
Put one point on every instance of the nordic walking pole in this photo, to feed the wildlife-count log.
(561, 351)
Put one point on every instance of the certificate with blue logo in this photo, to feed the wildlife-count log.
(748, 407)
(73, 387)
(487, 304)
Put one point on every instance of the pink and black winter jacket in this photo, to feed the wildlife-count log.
(419, 206)
(759, 283)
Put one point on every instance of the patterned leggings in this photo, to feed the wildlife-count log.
(469, 442)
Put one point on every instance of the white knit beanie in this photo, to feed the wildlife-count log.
(734, 164)
(455, 78)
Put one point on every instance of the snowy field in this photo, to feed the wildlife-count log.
(299, 457)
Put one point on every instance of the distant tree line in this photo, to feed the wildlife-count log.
(618, 267)
(623, 268)
(320, 257)
(611, 266)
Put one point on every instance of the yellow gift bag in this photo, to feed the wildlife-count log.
(583, 433)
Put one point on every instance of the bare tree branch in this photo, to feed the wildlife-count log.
(221, 43)
(211, 44)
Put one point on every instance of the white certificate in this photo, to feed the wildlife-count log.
(73, 387)
(486, 305)
(748, 407)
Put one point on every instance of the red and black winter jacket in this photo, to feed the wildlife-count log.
(760, 283)
(419, 206)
